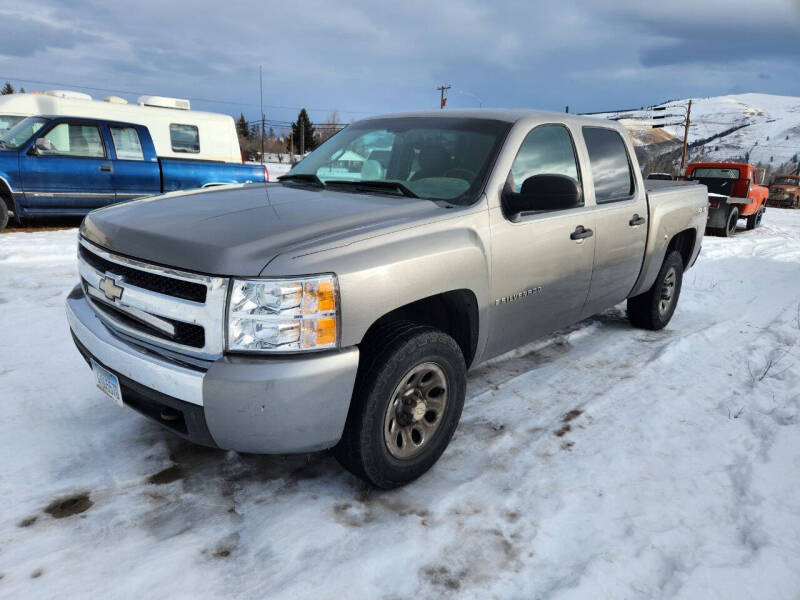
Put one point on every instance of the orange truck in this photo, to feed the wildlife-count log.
(734, 193)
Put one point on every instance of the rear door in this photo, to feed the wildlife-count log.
(541, 261)
(136, 169)
(71, 172)
(621, 219)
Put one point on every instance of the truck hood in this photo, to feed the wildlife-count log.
(238, 230)
(783, 188)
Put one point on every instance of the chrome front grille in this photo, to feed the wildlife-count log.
(177, 310)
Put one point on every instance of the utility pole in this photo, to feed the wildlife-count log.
(443, 99)
(263, 118)
(686, 136)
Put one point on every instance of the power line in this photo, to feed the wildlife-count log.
(194, 98)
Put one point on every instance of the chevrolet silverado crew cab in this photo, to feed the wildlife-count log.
(65, 166)
(733, 193)
(325, 311)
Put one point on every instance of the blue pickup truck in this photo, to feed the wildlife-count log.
(68, 166)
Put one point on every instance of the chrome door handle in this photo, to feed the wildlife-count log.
(581, 233)
(636, 220)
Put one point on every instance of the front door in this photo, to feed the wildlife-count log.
(541, 261)
(69, 171)
(621, 219)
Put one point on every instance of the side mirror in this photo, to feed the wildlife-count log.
(42, 145)
(543, 192)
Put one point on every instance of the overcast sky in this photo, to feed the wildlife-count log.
(371, 57)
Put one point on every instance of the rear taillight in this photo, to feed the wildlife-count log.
(266, 173)
(714, 204)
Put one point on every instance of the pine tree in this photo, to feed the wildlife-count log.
(7, 89)
(305, 128)
(241, 127)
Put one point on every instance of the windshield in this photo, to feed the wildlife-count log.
(8, 121)
(15, 137)
(715, 173)
(787, 180)
(437, 158)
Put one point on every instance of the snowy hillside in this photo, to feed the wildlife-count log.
(763, 126)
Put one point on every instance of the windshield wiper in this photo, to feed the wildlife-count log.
(377, 185)
(303, 178)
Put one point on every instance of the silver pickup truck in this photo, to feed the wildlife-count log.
(342, 306)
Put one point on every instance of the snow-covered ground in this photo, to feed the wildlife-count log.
(602, 462)
(769, 126)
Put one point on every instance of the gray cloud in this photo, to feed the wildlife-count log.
(24, 37)
(365, 57)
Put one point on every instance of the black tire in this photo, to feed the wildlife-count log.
(646, 310)
(754, 220)
(390, 354)
(3, 214)
(730, 228)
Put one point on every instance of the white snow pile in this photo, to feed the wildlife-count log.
(767, 127)
(601, 462)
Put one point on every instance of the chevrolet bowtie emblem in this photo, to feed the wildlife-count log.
(109, 287)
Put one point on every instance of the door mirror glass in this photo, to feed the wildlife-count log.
(544, 192)
(43, 145)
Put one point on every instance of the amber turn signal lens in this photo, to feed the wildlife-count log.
(326, 331)
(325, 299)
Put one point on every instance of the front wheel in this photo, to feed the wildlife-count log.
(3, 214)
(754, 221)
(654, 309)
(406, 405)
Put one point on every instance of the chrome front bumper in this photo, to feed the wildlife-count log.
(250, 404)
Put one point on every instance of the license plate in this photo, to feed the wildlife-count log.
(108, 383)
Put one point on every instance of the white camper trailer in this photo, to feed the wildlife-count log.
(177, 131)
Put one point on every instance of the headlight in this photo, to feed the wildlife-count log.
(283, 315)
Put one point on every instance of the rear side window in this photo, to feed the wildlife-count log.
(546, 150)
(184, 138)
(611, 169)
(126, 143)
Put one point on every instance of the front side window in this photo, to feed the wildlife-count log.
(437, 158)
(184, 138)
(126, 143)
(611, 169)
(547, 150)
(15, 138)
(73, 139)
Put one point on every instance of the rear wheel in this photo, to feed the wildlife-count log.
(730, 226)
(406, 405)
(654, 309)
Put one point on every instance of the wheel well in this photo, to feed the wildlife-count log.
(455, 313)
(5, 195)
(684, 244)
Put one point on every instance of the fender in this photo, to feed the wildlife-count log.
(12, 193)
(384, 272)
